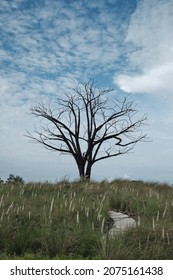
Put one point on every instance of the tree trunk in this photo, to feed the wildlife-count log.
(81, 168)
(81, 171)
(84, 173)
(88, 170)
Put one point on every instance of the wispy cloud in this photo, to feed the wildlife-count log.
(149, 56)
(45, 41)
(56, 36)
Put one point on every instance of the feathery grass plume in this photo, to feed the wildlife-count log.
(77, 217)
(153, 224)
(1, 201)
(102, 225)
(70, 205)
(158, 214)
(71, 195)
(87, 211)
(138, 220)
(64, 196)
(11, 205)
(163, 232)
(103, 199)
(2, 215)
(65, 203)
(99, 215)
(51, 207)
(29, 215)
(167, 234)
(148, 239)
(164, 212)
(22, 192)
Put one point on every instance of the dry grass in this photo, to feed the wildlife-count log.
(68, 219)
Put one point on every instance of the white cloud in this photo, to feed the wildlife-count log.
(150, 32)
(158, 81)
(149, 44)
(56, 36)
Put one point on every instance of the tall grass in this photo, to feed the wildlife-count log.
(67, 220)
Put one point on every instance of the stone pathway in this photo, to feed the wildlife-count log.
(120, 222)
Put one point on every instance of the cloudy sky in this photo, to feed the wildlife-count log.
(47, 46)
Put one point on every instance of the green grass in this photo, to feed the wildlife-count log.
(68, 220)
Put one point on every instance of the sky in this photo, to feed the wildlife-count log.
(48, 46)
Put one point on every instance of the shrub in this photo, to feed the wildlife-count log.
(15, 179)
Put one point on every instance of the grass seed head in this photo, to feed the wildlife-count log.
(164, 212)
(77, 217)
(163, 232)
(167, 234)
(153, 223)
(51, 206)
(2, 200)
(2, 215)
(102, 225)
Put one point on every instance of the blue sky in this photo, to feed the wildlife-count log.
(47, 46)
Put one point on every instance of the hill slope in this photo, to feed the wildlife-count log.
(67, 220)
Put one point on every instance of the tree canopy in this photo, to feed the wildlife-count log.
(89, 125)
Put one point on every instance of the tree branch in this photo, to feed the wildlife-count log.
(89, 126)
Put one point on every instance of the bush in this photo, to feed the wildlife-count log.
(1, 181)
(15, 179)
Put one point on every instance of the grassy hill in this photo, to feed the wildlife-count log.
(68, 220)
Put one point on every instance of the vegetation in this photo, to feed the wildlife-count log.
(1, 181)
(89, 126)
(69, 220)
(14, 179)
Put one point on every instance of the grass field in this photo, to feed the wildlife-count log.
(68, 220)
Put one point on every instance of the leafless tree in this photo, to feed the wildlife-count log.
(89, 126)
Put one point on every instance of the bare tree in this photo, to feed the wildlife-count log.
(89, 126)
